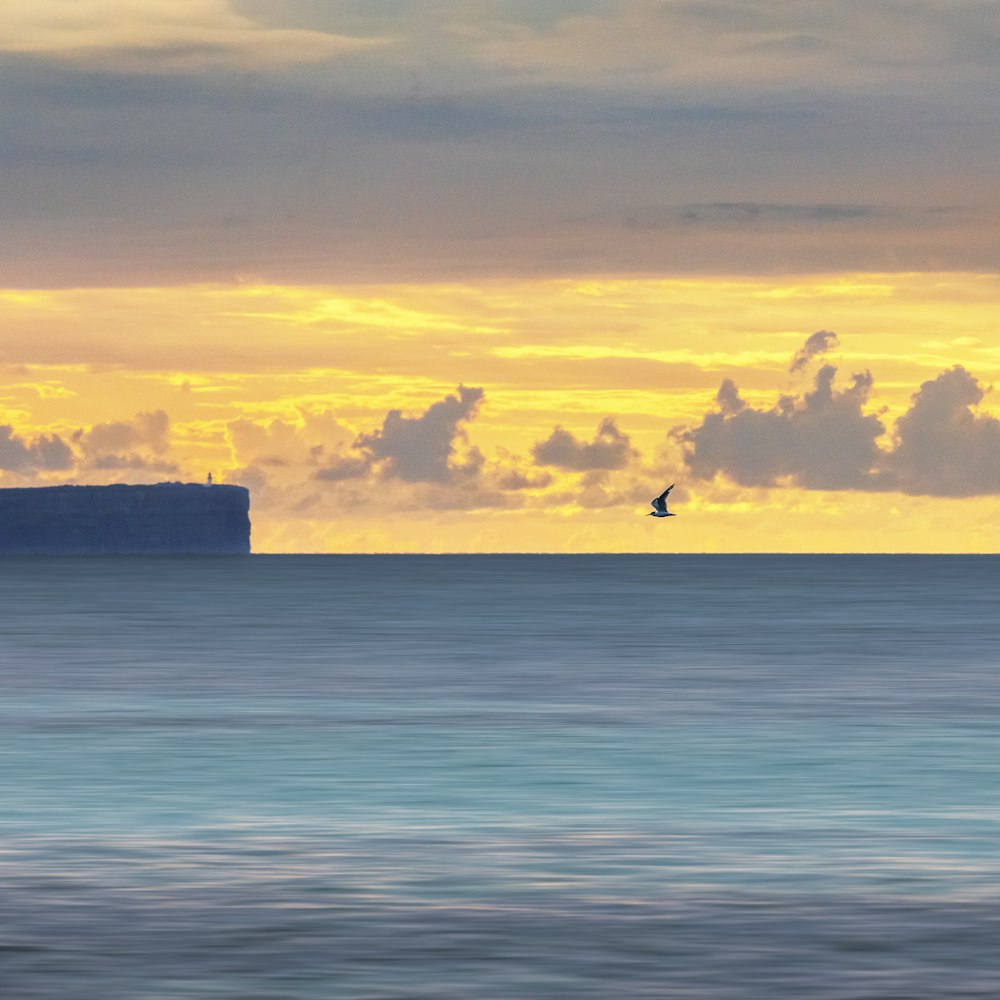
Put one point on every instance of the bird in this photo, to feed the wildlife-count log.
(660, 504)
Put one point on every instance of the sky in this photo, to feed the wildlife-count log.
(486, 275)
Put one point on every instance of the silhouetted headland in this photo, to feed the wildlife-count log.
(165, 519)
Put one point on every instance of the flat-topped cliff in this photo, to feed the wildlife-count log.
(165, 519)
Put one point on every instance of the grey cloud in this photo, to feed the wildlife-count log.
(47, 453)
(124, 178)
(610, 449)
(823, 440)
(344, 467)
(942, 447)
(137, 445)
(422, 449)
(120, 179)
(147, 430)
(763, 213)
(728, 397)
(515, 479)
(818, 343)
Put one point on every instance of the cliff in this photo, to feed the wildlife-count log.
(168, 518)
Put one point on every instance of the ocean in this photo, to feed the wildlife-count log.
(382, 777)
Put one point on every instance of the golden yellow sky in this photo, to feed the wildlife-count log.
(488, 275)
(274, 386)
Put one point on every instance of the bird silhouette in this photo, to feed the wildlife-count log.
(660, 504)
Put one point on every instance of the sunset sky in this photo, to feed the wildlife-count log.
(486, 275)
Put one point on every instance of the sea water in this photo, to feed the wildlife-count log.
(287, 778)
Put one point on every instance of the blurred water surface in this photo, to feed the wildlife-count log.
(299, 778)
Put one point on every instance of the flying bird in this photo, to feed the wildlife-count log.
(660, 504)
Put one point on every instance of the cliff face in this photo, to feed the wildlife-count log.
(169, 518)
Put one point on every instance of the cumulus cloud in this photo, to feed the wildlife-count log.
(423, 449)
(610, 449)
(432, 465)
(818, 343)
(432, 462)
(157, 35)
(427, 455)
(517, 479)
(825, 440)
(47, 453)
(942, 446)
(139, 445)
(306, 441)
(822, 440)
(115, 444)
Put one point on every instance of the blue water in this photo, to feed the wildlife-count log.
(287, 778)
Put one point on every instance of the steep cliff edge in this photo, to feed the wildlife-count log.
(165, 519)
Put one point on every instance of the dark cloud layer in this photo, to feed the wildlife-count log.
(148, 163)
(610, 449)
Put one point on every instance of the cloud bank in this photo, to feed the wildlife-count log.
(171, 141)
(824, 440)
(826, 436)
(136, 446)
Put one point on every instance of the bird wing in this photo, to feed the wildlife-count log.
(662, 498)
